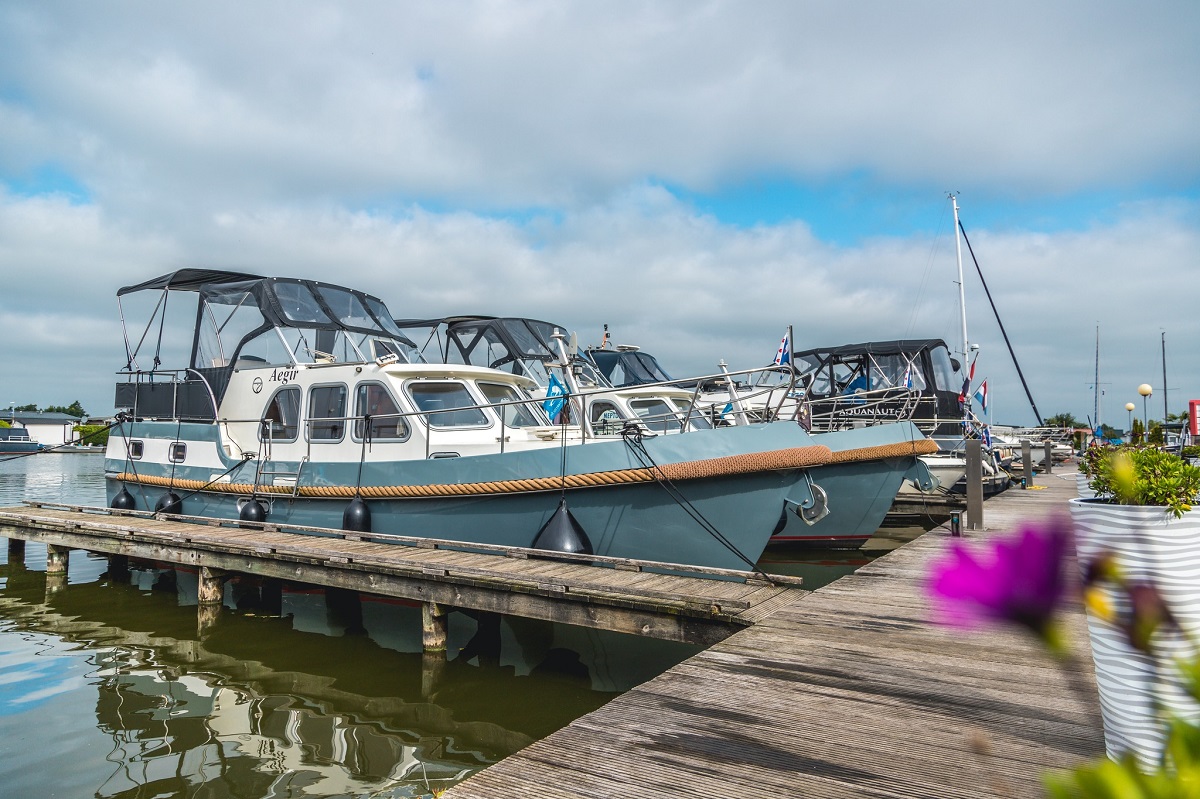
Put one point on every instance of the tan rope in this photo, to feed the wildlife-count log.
(923, 446)
(749, 463)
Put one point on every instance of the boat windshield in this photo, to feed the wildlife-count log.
(628, 368)
(945, 375)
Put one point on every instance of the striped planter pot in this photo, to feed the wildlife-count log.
(1150, 545)
(1082, 489)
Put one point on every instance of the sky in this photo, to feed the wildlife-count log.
(697, 175)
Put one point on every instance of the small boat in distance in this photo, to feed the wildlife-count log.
(303, 403)
(16, 441)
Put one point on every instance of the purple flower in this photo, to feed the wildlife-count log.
(1019, 579)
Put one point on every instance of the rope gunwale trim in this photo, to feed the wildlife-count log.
(725, 466)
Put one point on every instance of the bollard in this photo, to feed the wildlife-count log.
(956, 524)
(1026, 464)
(1048, 461)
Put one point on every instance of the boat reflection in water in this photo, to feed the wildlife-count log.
(294, 692)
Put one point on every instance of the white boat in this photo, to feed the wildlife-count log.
(303, 403)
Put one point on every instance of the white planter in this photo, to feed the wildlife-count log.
(1150, 545)
(1082, 488)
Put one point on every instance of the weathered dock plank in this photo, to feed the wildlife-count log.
(845, 691)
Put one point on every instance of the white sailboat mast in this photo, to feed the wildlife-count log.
(962, 297)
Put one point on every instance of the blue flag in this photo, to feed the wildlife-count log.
(556, 398)
(784, 353)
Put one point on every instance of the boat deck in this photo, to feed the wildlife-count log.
(848, 691)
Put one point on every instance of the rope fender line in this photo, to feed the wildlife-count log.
(726, 466)
(924, 446)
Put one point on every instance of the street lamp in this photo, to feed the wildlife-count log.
(1129, 406)
(1145, 390)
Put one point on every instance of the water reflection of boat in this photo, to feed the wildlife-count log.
(303, 402)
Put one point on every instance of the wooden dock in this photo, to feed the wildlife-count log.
(620, 594)
(848, 691)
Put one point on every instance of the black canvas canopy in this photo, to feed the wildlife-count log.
(189, 280)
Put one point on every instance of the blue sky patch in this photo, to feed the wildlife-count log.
(49, 180)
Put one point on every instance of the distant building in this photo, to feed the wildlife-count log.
(51, 429)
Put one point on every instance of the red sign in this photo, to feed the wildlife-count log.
(1194, 416)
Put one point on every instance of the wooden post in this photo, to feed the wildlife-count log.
(433, 664)
(118, 568)
(56, 559)
(270, 593)
(433, 627)
(210, 593)
(974, 484)
(16, 550)
(210, 589)
(1027, 463)
(1048, 462)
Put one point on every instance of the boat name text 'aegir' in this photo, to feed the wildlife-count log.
(283, 375)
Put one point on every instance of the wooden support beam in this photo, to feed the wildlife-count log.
(118, 568)
(433, 627)
(211, 588)
(16, 550)
(57, 558)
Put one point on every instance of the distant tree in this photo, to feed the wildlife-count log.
(1156, 434)
(1182, 416)
(31, 408)
(4, 423)
(74, 409)
(1135, 431)
(1109, 432)
(1063, 420)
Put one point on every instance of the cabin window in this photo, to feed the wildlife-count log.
(513, 415)
(656, 414)
(327, 413)
(386, 424)
(449, 404)
(177, 452)
(606, 419)
(282, 416)
(136, 449)
(697, 420)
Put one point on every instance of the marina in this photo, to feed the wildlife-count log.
(814, 694)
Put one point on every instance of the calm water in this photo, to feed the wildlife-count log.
(106, 690)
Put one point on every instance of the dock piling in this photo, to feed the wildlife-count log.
(433, 627)
(57, 558)
(974, 484)
(16, 550)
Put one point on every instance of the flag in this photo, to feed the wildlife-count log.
(728, 409)
(982, 396)
(987, 437)
(556, 398)
(784, 353)
(908, 377)
(966, 389)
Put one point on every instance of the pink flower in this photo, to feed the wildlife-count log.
(1018, 579)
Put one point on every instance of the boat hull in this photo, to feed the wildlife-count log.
(860, 493)
(645, 520)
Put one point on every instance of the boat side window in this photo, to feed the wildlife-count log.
(448, 403)
(386, 424)
(605, 417)
(327, 413)
(136, 449)
(513, 415)
(177, 452)
(697, 420)
(299, 304)
(656, 414)
(946, 377)
(282, 415)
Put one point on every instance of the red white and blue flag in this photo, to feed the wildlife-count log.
(784, 353)
(982, 396)
(966, 388)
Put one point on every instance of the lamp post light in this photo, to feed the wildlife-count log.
(1145, 390)
(1129, 406)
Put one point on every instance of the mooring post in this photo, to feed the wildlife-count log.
(56, 559)
(210, 593)
(16, 550)
(433, 627)
(974, 484)
(1048, 462)
(1027, 463)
